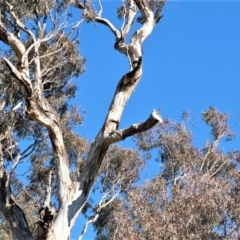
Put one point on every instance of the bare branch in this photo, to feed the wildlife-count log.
(29, 195)
(210, 150)
(11, 40)
(15, 163)
(21, 77)
(17, 106)
(37, 42)
(131, 14)
(49, 54)
(102, 204)
(31, 148)
(47, 199)
(120, 135)
(101, 8)
(124, 16)
(47, 69)
(90, 220)
(19, 23)
(99, 19)
(107, 23)
(219, 168)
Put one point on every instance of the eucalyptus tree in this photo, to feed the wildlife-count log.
(195, 195)
(39, 58)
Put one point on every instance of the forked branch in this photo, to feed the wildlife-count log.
(119, 135)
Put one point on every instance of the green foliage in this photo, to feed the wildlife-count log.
(61, 63)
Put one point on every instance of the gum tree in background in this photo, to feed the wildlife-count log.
(194, 196)
(39, 59)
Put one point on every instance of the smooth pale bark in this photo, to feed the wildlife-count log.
(108, 132)
(72, 196)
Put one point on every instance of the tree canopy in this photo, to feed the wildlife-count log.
(195, 195)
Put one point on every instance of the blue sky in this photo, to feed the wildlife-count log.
(191, 61)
